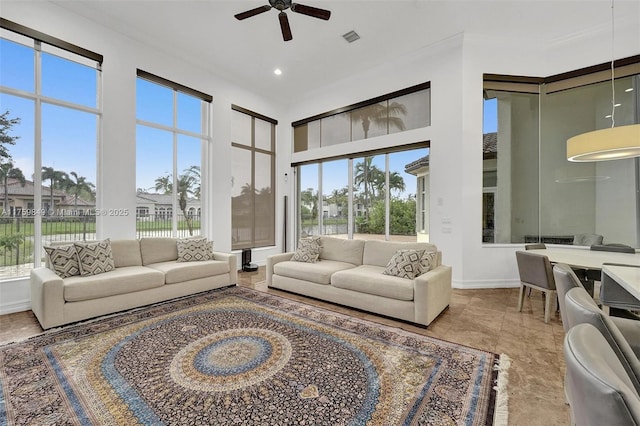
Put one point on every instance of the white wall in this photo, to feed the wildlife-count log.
(454, 67)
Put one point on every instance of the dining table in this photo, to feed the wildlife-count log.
(625, 276)
(583, 257)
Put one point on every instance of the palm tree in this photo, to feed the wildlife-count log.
(188, 183)
(380, 115)
(396, 182)
(6, 124)
(7, 171)
(364, 174)
(164, 184)
(57, 178)
(78, 186)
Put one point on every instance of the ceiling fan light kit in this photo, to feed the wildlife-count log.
(283, 5)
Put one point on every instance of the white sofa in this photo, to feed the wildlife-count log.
(349, 272)
(146, 271)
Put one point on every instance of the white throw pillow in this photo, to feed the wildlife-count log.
(404, 264)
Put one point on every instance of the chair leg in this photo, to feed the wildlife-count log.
(550, 297)
(521, 297)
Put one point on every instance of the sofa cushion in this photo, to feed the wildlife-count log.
(342, 250)
(194, 249)
(126, 253)
(118, 281)
(404, 264)
(177, 272)
(63, 260)
(379, 253)
(308, 254)
(94, 258)
(159, 249)
(369, 279)
(319, 272)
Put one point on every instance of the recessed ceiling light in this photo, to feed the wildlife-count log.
(617, 105)
(351, 36)
(630, 89)
(277, 71)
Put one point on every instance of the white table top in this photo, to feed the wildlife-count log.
(585, 258)
(628, 278)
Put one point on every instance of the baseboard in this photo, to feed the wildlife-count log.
(484, 284)
(13, 307)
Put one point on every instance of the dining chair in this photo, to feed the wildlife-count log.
(535, 272)
(565, 279)
(622, 334)
(536, 246)
(613, 295)
(587, 239)
(602, 392)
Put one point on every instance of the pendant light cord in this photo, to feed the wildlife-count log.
(613, 84)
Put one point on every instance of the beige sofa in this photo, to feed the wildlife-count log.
(349, 272)
(146, 271)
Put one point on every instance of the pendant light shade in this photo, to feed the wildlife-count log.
(607, 144)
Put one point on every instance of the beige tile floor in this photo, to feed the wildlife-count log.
(485, 319)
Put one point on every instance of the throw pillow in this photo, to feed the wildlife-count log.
(404, 264)
(64, 260)
(308, 250)
(308, 254)
(95, 258)
(194, 249)
(427, 262)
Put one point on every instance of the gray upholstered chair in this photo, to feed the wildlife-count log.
(622, 334)
(587, 239)
(535, 272)
(612, 295)
(565, 279)
(535, 246)
(602, 393)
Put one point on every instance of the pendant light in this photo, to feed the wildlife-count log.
(607, 144)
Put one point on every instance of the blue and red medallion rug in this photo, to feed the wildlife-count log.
(241, 357)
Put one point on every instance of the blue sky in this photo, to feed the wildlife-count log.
(69, 137)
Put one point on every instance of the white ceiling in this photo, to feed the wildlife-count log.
(205, 32)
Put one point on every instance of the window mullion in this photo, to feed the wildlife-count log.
(174, 192)
(37, 156)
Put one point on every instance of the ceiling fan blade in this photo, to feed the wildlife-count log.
(311, 11)
(284, 25)
(252, 12)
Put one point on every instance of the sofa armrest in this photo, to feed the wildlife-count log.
(47, 297)
(432, 293)
(272, 260)
(233, 264)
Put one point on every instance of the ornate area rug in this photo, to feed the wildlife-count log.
(241, 357)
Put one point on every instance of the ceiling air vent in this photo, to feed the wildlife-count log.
(351, 36)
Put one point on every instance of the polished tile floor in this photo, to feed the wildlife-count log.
(485, 319)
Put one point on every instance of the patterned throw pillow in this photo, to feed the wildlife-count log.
(427, 262)
(64, 260)
(308, 250)
(404, 264)
(194, 249)
(95, 258)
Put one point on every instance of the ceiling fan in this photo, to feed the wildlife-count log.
(283, 5)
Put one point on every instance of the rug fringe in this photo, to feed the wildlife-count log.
(501, 412)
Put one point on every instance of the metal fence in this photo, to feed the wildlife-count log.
(17, 235)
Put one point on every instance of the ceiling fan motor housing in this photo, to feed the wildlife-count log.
(280, 4)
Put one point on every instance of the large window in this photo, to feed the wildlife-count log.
(49, 127)
(391, 113)
(531, 192)
(253, 159)
(366, 197)
(172, 131)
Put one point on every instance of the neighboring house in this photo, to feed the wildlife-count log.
(160, 206)
(20, 200)
(420, 169)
